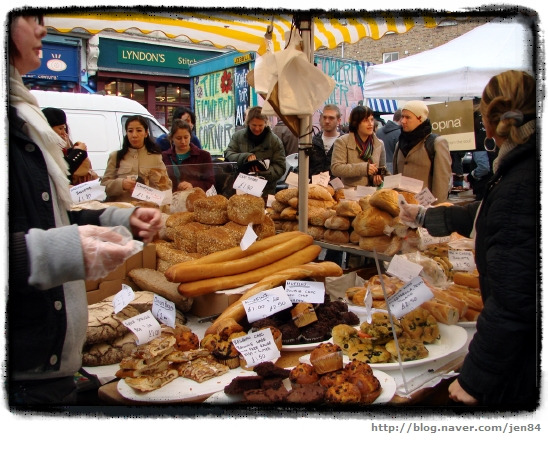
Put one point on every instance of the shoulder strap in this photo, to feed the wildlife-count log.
(429, 145)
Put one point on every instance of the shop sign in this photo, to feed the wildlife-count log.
(454, 120)
(243, 59)
(59, 63)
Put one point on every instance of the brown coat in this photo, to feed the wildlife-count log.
(417, 166)
(347, 164)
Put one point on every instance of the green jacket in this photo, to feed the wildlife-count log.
(240, 148)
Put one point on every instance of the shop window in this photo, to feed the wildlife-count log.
(169, 97)
(389, 57)
(128, 89)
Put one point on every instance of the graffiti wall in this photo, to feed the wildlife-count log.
(214, 106)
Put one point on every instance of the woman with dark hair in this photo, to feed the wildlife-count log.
(52, 249)
(140, 159)
(187, 165)
(358, 157)
(502, 366)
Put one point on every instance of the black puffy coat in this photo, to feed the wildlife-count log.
(503, 363)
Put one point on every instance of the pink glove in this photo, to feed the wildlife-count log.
(106, 248)
(145, 223)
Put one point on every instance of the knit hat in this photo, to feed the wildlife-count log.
(418, 108)
(55, 116)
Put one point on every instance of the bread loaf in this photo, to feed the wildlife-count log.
(386, 200)
(318, 215)
(283, 196)
(246, 209)
(102, 354)
(337, 223)
(214, 239)
(443, 312)
(186, 236)
(335, 236)
(193, 195)
(180, 218)
(466, 279)
(316, 271)
(104, 325)
(318, 192)
(211, 210)
(348, 208)
(371, 222)
(265, 229)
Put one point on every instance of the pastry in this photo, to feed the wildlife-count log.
(333, 378)
(380, 328)
(303, 374)
(201, 369)
(344, 392)
(242, 383)
(153, 381)
(303, 314)
(368, 385)
(420, 324)
(410, 349)
(326, 357)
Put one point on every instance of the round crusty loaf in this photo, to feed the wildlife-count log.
(214, 239)
(318, 215)
(283, 196)
(348, 208)
(371, 222)
(246, 209)
(104, 325)
(338, 223)
(318, 192)
(336, 236)
(211, 210)
(195, 193)
(386, 200)
(264, 229)
(102, 354)
(185, 237)
(179, 218)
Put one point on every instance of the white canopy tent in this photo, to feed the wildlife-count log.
(458, 69)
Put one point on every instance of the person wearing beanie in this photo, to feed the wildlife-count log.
(75, 154)
(411, 157)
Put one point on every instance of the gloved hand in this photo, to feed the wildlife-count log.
(145, 223)
(106, 248)
(411, 215)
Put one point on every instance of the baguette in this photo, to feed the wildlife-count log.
(443, 312)
(450, 299)
(182, 273)
(236, 310)
(205, 286)
(467, 279)
(237, 253)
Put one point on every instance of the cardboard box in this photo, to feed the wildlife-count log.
(213, 303)
(106, 289)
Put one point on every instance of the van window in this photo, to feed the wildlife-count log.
(154, 129)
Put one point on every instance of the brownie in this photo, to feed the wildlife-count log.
(350, 318)
(306, 394)
(272, 382)
(257, 396)
(268, 370)
(242, 383)
(277, 394)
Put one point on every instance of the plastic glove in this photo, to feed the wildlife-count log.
(409, 212)
(106, 248)
(145, 223)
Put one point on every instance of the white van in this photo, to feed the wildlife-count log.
(97, 120)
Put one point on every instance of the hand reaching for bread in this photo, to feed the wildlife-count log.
(105, 249)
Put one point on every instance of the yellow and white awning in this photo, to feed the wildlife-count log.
(236, 29)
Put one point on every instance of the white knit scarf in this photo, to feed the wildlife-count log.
(41, 133)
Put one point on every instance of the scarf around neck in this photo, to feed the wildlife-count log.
(408, 140)
(41, 133)
(257, 140)
(365, 148)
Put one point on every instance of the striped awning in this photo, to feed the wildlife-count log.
(239, 29)
(382, 105)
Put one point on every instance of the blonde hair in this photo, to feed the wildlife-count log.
(507, 102)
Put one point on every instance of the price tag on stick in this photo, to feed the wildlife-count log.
(257, 347)
(144, 326)
(123, 298)
(164, 311)
(409, 297)
(266, 303)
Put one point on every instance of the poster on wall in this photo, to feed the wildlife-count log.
(241, 93)
(214, 109)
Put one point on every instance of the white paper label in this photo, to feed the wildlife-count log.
(305, 291)
(403, 183)
(409, 297)
(292, 179)
(269, 200)
(362, 191)
(144, 326)
(351, 195)
(403, 269)
(145, 193)
(163, 310)
(336, 183)
(462, 260)
(88, 191)
(426, 239)
(123, 298)
(321, 179)
(211, 191)
(425, 197)
(266, 303)
(257, 347)
(250, 184)
(249, 238)
(368, 303)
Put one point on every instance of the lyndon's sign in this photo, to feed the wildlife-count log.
(454, 120)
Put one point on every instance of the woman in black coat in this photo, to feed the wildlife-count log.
(503, 363)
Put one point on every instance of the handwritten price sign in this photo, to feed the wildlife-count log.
(409, 297)
(462, 260)
(88, 191)
(305, 291)
(164, 311)
(144, 326)
(266, 303)
(123, 298)
(249, 184)
(257, 347)
(145, 193)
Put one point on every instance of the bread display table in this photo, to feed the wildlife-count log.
(434, 391)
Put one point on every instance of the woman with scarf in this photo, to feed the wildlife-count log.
(256, 149)
(51, 248)
(358, 157)
(502, 367)
(411, 156)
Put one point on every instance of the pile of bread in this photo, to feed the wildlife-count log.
(202, 224)
(108, 340)
(372, 222)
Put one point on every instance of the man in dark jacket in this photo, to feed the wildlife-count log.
(322, 143)
(389, 134)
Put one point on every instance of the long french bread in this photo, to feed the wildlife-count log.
(237, 253)
(443, 312)
(196, 272)
(236, 310)
(205, 286)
